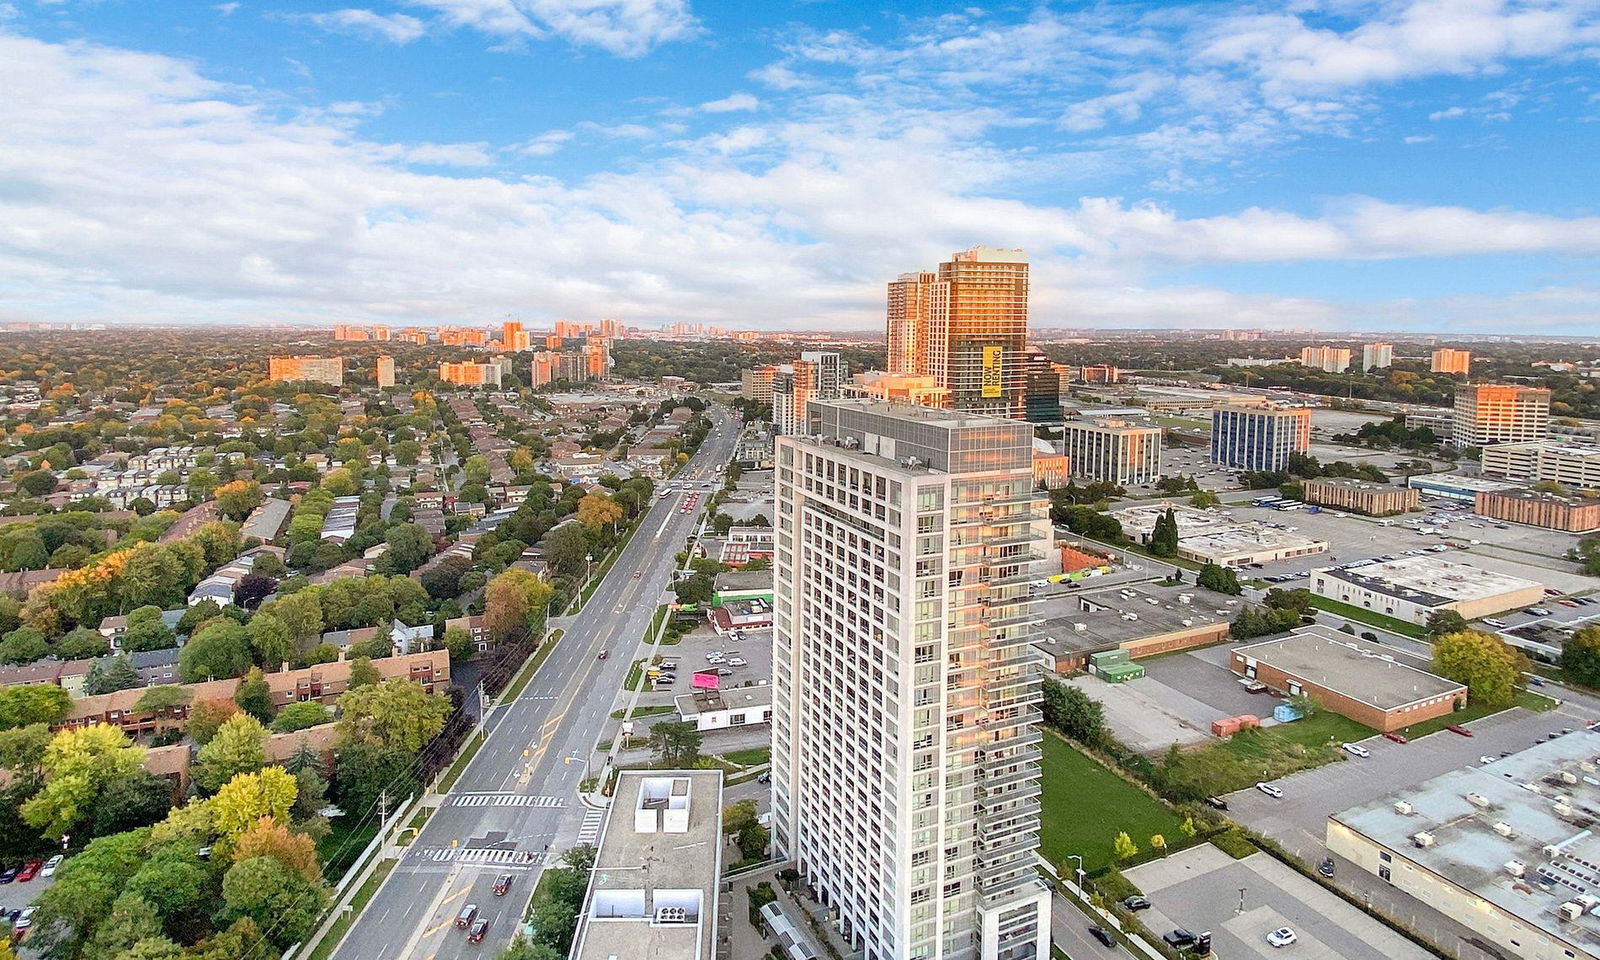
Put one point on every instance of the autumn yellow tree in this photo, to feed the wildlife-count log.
(269, 838)
(244, 800)
(78, 765)
(596, 510)
(512, 603)
(238, 498)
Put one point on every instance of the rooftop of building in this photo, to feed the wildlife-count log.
(1565, 447)
(1354, 483)
(1457, 482)
(731, 698)
(1083, 621)
(654, 886)
(1517, 832)
(1251, 537)
(1141, 518)
(744, 580)
(1358, 669)
(1544, 496)
(1430, 581)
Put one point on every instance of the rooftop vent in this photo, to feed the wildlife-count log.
(1516, 868)
(1422, 839)
(1505, 830)
(1562, 808)
(671, 915)
(1567, 776)
(1477, 800)
(1404, 808)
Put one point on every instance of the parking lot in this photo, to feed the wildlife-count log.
(1241, 901)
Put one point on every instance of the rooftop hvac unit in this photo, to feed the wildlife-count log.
(1551, 850)
(1422, 839)
(1080, 627)
(1570, 911)
(1534, 787)
(671, 915)
(1404, 808)
(1562, 808)
(1516, 868)
(1567, 776)
(1477, 800)
(1505, 830)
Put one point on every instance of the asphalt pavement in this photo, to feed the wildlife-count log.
(516, 807)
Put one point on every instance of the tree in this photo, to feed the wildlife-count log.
(270, 641)
(254, 696)
(248, 797)
(111, 674)
(275, 898)
(79, 765)
(365, 771)
(362, 674)
(238, 498)
(1252, 621)
(459, 643)
(1299, 600)
(82, 643)
(219, 651)
(1580, 658)
(299, 716)
(251, 589)
(147, 635)
(132, 920)
(1164, 537)
(443, 579)
(1202, 499)
(137, 801)
(1220, 579)
(1123, 846)
(165, 697)
(1491, 668)
(396, 714)
(207, 715)
(269, 838)
(29, 704)
(238, 747)
(1074, 713)
(409, 545)
(596, 510)
(23, 645)
(1442, 623)
(675, 744)
(512, 603)
(566, 547)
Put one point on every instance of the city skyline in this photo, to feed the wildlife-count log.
(1396, 167)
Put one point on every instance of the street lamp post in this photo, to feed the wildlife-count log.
(1079, 870)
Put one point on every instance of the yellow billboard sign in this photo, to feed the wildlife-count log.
(992, 363)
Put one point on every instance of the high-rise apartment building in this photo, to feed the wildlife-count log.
(612, 329)
(1041, 388)
(385, 372)
(1446, 360)
(828, 373)
(1326, 359)
(966, 326)
(1377, 356)
(470, 374)
(756, 383)
(597, 357)
(513, 337)
(543, 368)
(1251, 438)
(905, 727)
(1488, 413)
(1112, 451)
(791, 393)
(329, 370)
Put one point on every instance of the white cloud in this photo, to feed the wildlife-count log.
(393, 27)
(546, 143)
(731, 103)
(627, 28)
(227, 9)
(449, 154)
(1449, 113)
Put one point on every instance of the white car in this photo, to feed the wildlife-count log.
(1356, 750)
(738, 662)
(716, 659)
(51, 865)
(1271, 790)
(1281, 937)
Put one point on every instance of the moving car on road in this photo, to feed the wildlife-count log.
(479, 928)
(502, 884)
(1100, 934)
(467, 915)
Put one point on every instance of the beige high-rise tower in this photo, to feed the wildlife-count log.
(965, 325)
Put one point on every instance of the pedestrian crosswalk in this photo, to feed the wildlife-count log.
(590, 831)
(504, 800)
(510, 858)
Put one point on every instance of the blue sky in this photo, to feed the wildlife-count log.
(1424, 165)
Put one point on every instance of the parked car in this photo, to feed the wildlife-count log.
(1536, 681)
(29, 870)
(764, 778)
(1487, 759)
(24, 921)
(724, 672)
(502, 884)
(1356, 750)
(1326, 867)
(8, 874)
(51, 865)
(468, 914)
(479, 928)
(1100, 934)
(1179, 938)
(1136, 903)
(1391, 735)
(738, 662)
(1271, 790)
(1459, 729)
(1281, 937)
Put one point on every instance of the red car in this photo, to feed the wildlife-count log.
(1458, 728)
(502, 884)
(1397, 738)
(29, 871)
(479, 928)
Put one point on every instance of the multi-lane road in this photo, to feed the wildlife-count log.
(516, 806)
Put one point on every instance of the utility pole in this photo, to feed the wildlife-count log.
(383, 812)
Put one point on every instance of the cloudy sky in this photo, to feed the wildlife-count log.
(1428, 165)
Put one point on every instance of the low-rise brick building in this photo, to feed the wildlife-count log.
(1553, 511)
(1360, 496)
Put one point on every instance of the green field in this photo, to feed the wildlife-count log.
(1363, 615)
(1086, 806)
(1476, 711)
(1269, 753)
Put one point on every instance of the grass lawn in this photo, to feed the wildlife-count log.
(1266, 754)
(650, 711)
(1363, 615)
(1476, 711)
(1085, 806)
(343, 844)
(748, 758)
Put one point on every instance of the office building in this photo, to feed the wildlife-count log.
(1414, 588)
(1439, 421)
(1575, 466)
(1113, 451)
(329, 370)
(905, 726)
(1377, 356)
(653, 891)
(1248, 438)
(384, 372)
(1487, 413)
(1101, 373)
(966, 326)
(1214, 536)
(1326, 359)
(1360, 496)
(1553, 511)
(1354, 678)
(1456, 362)
(470, 374)
(1505, 847)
